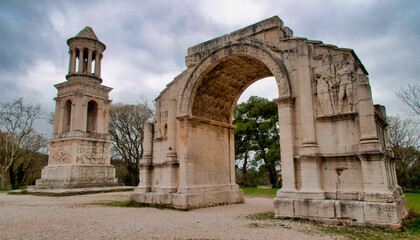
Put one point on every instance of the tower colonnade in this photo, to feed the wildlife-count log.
(84, 58)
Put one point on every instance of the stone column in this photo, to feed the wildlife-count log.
(89, 62)
(170, 180)
(311, 178)
(172, 127)
(184, 127)
(60, 112)
(309, 145)
(81, 59)
(106, 118)
(368, 134)
(56, 116)
(100, 119)
(286, 127)
(232, 155)
(375, 184)
(145, 166)
(71, 61)
(72, 112)
(97, 67)
(79, 114)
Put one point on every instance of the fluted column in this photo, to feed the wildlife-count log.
(309, 145)
(72, 60)
(368, 134)
(89, 63)
(81, 61)
(57, 117)
(97, 65)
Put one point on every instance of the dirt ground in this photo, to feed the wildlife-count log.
(82, 217)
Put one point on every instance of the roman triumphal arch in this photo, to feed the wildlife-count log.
(336, 163)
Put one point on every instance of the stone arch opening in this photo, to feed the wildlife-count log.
(218, 88)
(92, 117)
(222, 85)
(67, 116)
(227, 62)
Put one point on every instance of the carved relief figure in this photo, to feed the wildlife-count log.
(325, 87)
(345, 76)
(334, 86)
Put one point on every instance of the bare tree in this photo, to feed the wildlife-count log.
(410, 95)
(126, 130)
(18, 137)
(405, 144)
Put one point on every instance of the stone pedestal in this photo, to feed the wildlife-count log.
(191, 200)
(353, 212)
(77, 176)
(77, 161)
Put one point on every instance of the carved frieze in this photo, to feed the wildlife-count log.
(334, 86)
(60, 153)
(92, 152)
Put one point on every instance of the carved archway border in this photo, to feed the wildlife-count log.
(259, 52)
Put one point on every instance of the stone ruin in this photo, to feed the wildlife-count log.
(335, 156)
(80, 145)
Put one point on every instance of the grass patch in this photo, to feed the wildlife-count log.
(410, 229)
(413, 201)
(265, 219)
(21, 192)
(261, 216)
(134, 204)
(255, 192)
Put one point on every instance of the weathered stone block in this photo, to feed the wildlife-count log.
(305, 208)
(381, 212)
(350, 209)
(284, 207)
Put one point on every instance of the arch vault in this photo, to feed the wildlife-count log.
(334, 150)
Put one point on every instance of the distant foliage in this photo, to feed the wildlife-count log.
(257, 141)
(405, 142)
(410, 95)
(126, 130)
(18, 140)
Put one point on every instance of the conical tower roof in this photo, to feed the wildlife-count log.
(87, 32)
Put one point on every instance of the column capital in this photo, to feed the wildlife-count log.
(284, 101)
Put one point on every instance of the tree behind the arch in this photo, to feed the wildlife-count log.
(257, 131)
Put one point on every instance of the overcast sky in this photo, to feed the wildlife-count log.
(147, 41)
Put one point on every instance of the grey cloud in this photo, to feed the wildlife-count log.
(26, 35)
(152, 37)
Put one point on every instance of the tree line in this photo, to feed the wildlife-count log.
(23, 150)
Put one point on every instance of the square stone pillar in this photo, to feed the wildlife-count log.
(286, 128)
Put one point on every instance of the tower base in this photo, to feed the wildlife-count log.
(77, 176)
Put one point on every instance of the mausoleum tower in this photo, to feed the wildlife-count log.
(80, 144)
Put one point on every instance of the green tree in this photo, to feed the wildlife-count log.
(257, 135)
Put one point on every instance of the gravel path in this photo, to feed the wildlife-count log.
(79, 217)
